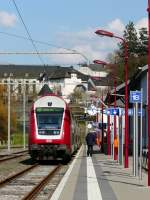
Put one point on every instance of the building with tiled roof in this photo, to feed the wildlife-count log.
(94, 70)
(60, 79)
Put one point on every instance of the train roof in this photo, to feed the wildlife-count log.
(50, 100)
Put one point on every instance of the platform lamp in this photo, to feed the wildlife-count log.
(112, 35)
(115, 129)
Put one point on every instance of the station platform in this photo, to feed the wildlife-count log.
(100, 178)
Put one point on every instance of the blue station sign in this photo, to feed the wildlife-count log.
(135, 96)
(112, 111)
(130, 112)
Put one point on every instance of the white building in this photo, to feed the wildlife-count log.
(62, 80)
(94, 70)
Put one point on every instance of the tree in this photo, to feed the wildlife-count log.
(76, 96)
(130, 36)
(3, 121)
(143, 42)
(137, 50)
(4, 115)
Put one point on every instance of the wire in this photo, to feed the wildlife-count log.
(33, 53)
(45, 43)
(28, 33)
(37, 41)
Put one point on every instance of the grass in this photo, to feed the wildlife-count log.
(18, 139)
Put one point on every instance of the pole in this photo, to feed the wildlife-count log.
(122, 132)
(148, 92)
(136, 139)
(102, 149)
(24, 115)
(108, 131)
(126, 160)
(115, 129)
(8, 87)
(112, 137)
(126, 164)
(109, 34)
(120, 149)
(141, 134)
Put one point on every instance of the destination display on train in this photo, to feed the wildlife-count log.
(49, 109)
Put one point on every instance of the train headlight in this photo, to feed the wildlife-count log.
(41, 132)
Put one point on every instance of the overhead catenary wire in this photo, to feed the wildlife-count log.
(47, 43)
(34, 53)
(28, 33)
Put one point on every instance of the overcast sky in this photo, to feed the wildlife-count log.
(69, 24)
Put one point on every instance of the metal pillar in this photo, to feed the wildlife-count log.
(134, 144)
(102, 107)
(136, 139)
(141, 134)
(8, 125)
(24, 115)
(108, 131)
(120, 148)
(115, 128)
(148, 85)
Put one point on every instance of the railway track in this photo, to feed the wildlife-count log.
(28, 183)
(15, 155)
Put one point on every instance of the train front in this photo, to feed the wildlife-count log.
(49, 129)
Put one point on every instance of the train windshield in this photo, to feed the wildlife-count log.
(49, 120)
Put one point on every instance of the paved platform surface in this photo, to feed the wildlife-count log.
(100, 178)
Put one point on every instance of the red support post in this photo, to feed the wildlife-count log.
(148, 85)
(111, 35)
(126, 163)
(108, 130)
(102, 108)
(115, 128)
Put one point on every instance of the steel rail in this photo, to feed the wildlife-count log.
(35, 191)
(7, 180)
(11, 156)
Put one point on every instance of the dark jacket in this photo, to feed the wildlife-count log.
(90, 138)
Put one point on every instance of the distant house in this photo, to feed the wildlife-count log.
(94, 70)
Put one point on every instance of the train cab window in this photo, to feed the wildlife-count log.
(49, 121)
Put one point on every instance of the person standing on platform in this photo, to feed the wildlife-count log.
(116, 146)
(98, 138)
(90, 141)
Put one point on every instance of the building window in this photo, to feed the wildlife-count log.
(73, 75)
(5, 74)
(26, 75)
(19, 87)
(11, 86)
(5, 81)
(27, 87)
(34, 87)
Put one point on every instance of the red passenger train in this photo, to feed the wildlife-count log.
(53, 133)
